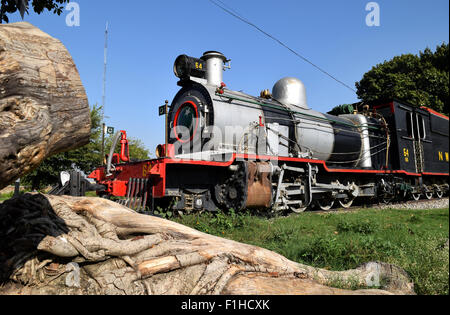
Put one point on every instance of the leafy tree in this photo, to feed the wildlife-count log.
(344, 109)
(422, 80)
(12, 6)
(86, 158)
(138, 152)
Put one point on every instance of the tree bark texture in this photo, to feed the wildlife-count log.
(43, 105)
(67, 245)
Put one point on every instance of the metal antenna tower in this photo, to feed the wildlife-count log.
(104, 93)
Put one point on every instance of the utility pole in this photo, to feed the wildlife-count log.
(104, 95)
(167, 128)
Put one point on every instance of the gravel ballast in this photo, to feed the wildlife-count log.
(418, 205)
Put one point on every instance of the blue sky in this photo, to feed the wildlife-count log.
(145, 40)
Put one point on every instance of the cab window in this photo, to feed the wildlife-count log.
(409, 125)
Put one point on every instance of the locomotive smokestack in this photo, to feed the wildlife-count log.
(215, 62)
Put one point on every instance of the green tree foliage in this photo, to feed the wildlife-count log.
(421, 80)
(86, 158)
(344, 109)
(138, 152)
(39, 6)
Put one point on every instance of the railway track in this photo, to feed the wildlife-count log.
(400, 205)
(423, 204)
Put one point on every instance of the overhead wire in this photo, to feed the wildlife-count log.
(220, 4)
(233, 13)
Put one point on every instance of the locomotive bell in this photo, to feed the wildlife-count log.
(290, 91)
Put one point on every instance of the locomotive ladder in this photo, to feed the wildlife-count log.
(137, 194)
(418, 147)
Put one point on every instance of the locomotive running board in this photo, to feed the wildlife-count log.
(137, 194)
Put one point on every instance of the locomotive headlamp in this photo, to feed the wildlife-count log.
(186, 67)
(187, 120)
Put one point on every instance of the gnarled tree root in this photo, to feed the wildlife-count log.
(66, 245)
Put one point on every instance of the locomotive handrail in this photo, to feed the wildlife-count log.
(292, 111)
(116, 138)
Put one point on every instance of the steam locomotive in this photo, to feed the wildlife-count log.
(229, 150)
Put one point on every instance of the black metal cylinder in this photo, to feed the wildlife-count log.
(186, 67)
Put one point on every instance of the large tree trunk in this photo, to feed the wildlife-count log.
(43, 105)
(66, 245)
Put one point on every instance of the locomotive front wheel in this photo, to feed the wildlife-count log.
(232, 192)
(386, 199)
(416, 196)
(325, 204)
(346, 203)
(298, 209)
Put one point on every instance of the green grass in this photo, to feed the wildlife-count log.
(4, 197)
(91, 194)
(412, 240)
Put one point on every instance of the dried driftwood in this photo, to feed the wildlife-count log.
(66, 245)
(43, 106)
